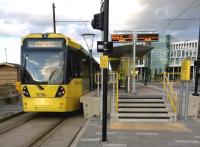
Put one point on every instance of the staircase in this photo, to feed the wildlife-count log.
(143, 108)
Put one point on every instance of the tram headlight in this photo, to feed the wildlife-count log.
(60, 92)
(25, 92)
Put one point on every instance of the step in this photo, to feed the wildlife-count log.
(144, 115)
(143, 120)
(141, 100)
(141, 105)
(142, 110)
(140, 96)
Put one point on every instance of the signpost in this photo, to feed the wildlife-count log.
(100, 22)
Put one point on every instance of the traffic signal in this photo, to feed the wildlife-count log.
(98, 21)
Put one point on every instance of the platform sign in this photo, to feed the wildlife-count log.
(147, 37)
(185, 70)
(104, 61)
(121, 37)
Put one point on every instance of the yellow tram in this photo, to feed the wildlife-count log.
(55, 73)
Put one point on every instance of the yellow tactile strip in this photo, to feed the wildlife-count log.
(149, 126)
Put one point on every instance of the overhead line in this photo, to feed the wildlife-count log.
(181, 13)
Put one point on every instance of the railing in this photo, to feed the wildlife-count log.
(112, 80)
(171, 95)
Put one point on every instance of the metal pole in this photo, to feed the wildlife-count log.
(181, 102)
(134, 50)
(197, 68)
(6, 54)
(91, 72)
(105, 71)
(98, 84)
(54, 18)
(186, 103)
(101, 88)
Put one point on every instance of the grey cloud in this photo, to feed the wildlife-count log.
(157, 12)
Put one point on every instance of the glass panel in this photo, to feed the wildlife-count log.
(43, 67)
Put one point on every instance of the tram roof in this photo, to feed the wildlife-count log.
(69, 41)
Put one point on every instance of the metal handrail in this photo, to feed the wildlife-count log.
(170, 92)
(117, 95)
(115, 83)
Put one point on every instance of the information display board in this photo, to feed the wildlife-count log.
(147, 37)
(121, 37)
(35, 43)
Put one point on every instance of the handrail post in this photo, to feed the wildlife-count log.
(116, 101)
(113, 96)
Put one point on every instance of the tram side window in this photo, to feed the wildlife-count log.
(84, 66)
(74, 64)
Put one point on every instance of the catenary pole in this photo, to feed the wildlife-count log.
(54, 18)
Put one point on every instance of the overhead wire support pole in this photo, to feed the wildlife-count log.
(6, 54)
(105, 71)
(54, 18)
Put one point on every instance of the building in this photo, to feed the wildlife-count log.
(9, 73)
(156, 61)
(181, 50)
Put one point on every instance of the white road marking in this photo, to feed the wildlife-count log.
(90, 139)
(115, 145)
(110, 133)
(187, 141)
(143, 133)
(92, 124)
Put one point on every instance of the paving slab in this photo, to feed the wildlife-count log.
(177, 135)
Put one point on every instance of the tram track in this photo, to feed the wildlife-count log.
(13, 121)
(43, 130)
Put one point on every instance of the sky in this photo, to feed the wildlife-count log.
(21, 17)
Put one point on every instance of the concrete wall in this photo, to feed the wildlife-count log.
(194, 106)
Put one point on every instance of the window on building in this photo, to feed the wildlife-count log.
(178, 53)
(195, 45)
(183, 53)
(177, 60)
(194, 53)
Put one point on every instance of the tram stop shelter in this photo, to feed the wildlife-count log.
(127, 51)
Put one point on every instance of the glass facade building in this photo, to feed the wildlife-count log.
(159, 55)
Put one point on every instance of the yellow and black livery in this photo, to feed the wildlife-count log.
(55, 73)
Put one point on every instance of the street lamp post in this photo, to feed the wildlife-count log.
(89, 39)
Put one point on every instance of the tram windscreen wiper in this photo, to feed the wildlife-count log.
(40, 87)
